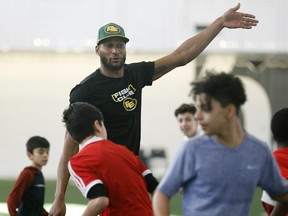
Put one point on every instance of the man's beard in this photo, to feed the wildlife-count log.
(111, 67)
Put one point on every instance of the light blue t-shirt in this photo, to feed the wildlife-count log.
(218, 180)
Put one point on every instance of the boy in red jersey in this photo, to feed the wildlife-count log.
(114, 180)
(27, 194)
(279, 126)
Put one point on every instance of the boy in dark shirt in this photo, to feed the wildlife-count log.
(27, 195)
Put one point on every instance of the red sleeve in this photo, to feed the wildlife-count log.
(143, 168)
(150, 180)
(23, 182)
(268, 208)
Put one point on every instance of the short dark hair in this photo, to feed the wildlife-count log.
(279, 126)
(36, 142)
(223, 87)
(79, 119)
(184, 108)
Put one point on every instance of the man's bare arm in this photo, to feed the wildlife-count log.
(70, 148)
(192, 47)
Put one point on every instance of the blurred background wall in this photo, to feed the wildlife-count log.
(47, 47)
(153, 26)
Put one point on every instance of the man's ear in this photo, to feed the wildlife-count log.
(97, 49)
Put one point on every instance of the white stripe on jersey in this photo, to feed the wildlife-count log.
(79, 182)
(146, 172)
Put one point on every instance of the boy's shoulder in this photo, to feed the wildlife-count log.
(30, 171)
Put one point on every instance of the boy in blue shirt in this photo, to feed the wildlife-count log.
(220, 170)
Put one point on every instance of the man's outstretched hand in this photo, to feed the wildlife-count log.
(234, 19)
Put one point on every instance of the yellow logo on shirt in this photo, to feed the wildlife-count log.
(124, 96)
(130, 104)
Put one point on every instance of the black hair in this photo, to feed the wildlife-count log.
(79, 120)
(225, 88)
(36, 142)
(184, 108)
(279, 127)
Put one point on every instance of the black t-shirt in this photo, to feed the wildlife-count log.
(119, 99)
(28, 194)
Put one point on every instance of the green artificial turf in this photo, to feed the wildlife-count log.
(73, 195)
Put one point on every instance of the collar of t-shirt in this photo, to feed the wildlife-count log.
(93, 139)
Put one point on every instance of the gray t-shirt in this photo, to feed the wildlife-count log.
(218, 180)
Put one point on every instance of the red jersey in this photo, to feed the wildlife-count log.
(281, 156)
(122, 173)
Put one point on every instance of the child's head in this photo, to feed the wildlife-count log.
(186, 119)
(38, 150)
(279, 127)
(185, 108)
(36, 142)
(83, 120)
(224, 88)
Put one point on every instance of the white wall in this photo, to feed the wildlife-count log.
(153, 26)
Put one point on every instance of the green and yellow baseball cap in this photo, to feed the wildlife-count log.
(111, 30)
